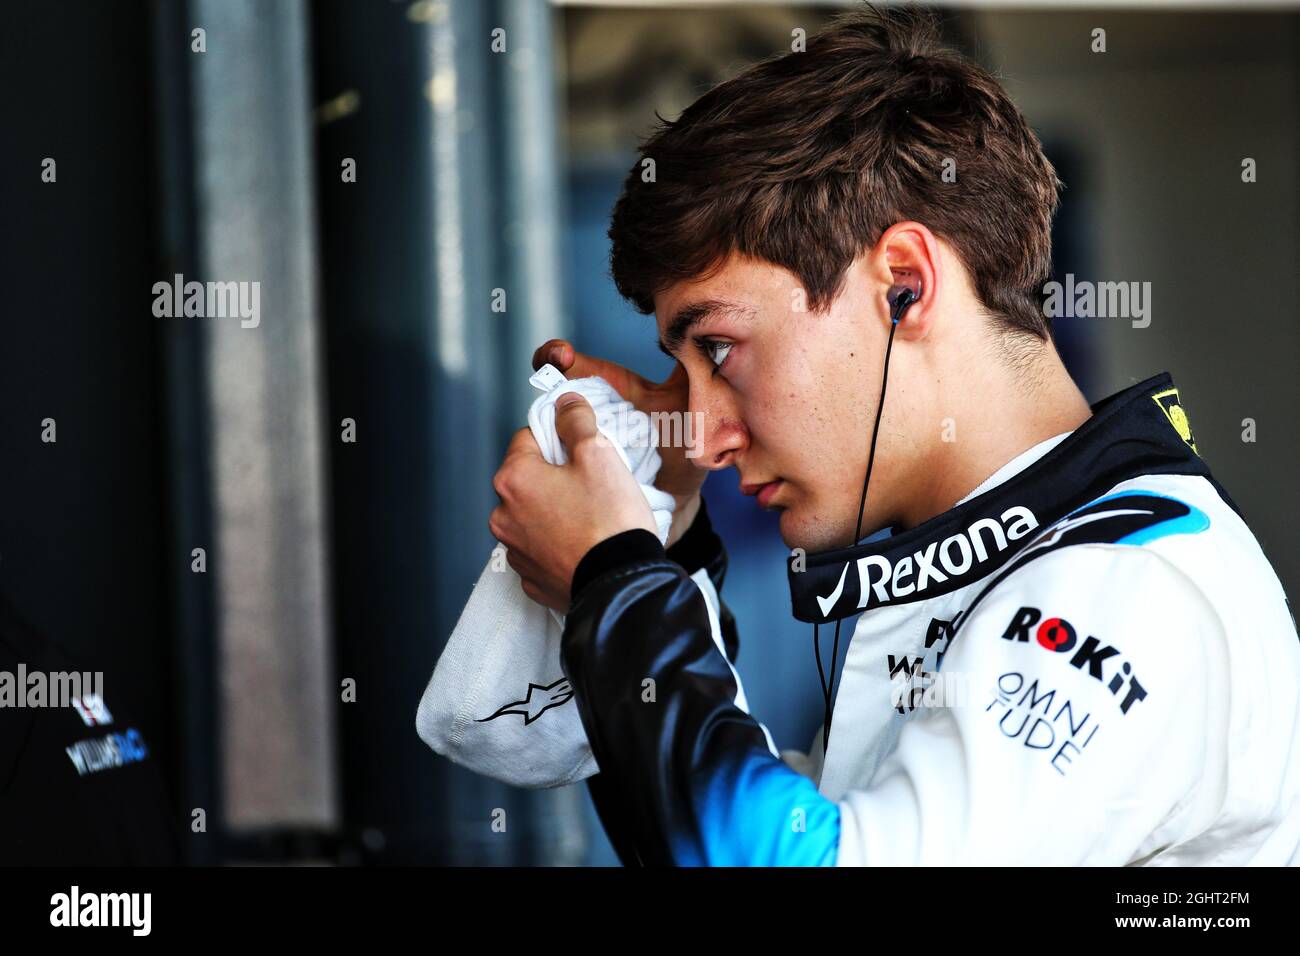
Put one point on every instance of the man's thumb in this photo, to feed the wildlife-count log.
(575, 420)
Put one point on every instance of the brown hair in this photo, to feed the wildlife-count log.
(805, 159)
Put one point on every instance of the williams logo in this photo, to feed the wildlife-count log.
(1103, 662)
(1169, 404)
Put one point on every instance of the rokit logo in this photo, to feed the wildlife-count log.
(1059, 636)
(954, 556)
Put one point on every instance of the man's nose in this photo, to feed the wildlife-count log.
(719, 436)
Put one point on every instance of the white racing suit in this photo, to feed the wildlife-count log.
(1087, 661)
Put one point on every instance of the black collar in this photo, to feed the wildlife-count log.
(1139, 431)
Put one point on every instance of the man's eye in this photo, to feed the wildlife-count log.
(717, 351)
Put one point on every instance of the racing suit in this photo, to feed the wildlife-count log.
(1088, 660)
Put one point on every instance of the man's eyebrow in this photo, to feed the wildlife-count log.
(690, 316)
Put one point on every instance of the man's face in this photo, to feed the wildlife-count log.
(787, 396)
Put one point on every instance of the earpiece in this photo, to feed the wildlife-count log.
(899, 298)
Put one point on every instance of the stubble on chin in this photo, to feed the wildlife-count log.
(811, 534)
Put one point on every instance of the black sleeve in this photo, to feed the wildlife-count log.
(687, 775)
(700, 547)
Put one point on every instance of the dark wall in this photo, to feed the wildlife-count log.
(82, 535)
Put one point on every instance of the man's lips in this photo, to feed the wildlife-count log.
(764, 492)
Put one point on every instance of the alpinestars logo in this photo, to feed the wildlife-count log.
(934, 564)
(1059, 636)
(537, 701)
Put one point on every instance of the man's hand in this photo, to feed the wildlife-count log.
(678, 475)
(552, 515)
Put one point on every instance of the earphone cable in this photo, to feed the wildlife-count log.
(829, 686)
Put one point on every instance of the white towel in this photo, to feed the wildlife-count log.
(498, 702)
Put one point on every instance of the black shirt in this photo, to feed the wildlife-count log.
(78, 784)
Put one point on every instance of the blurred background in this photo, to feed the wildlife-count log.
(328, 560)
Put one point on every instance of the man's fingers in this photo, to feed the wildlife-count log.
(575, 421)
(497, 526)
(575, 364)
(523, 442)
(557, 352)
(512, 467)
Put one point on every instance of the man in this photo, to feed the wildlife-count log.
(1124, 667)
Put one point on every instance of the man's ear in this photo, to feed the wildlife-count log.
(908, 255)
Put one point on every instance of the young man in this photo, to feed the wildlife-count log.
(1120, 670)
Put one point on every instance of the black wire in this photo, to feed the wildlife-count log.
(821, 673)
(828, 687)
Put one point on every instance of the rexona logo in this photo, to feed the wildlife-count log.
(940, 560)
(1059, 636)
